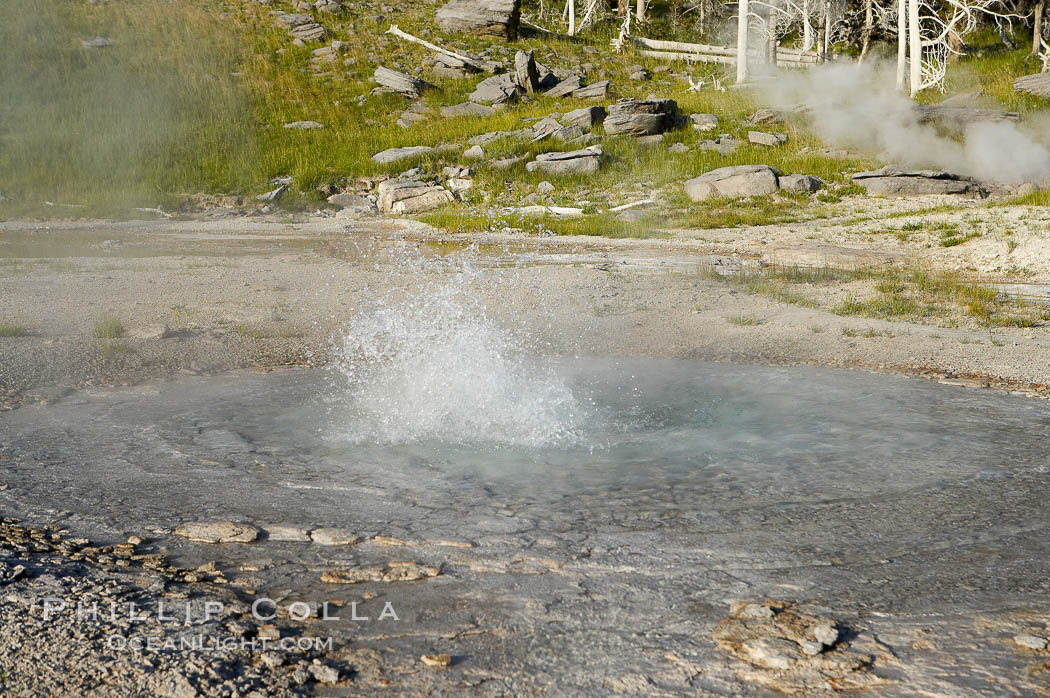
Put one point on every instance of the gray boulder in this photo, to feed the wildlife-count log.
(769, 139)
(526, 74)
(566, 87)
(801, 183)
(498, 89)
(586, 161)
(736, 181)
(303, 125)
(596, 90)
(486, 17)
(392, 155)
(399, 197)
(634, 117)
(467, 109)
(893, 181)
(586, 117)
(402, 83)
(704, 122)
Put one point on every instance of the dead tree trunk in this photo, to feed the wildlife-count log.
(902, 41)
(1037, 28)
(914, 46)
(741, 42)
(865, 41)
(822, 33)
(623, 7)
(640, 12)
(771, 52)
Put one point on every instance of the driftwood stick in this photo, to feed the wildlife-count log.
(434, 47)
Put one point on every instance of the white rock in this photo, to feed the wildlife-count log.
(1031, 642)
(218, 532)
(296, 534)
(333, 536)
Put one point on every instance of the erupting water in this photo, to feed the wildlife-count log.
(434, 365)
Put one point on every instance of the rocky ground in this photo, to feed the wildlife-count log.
(203, 297)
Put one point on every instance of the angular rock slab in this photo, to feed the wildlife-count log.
(585, 117)
(801, 183)
(498, 89)
(586, 161)
(218, 532)
(894, 181)
(736, 181)
(763, 138)
(634, 117)
(486, 17)
(396, 197)
(392, 155)
(704, 122)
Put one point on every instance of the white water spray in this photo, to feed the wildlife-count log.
(434, 364)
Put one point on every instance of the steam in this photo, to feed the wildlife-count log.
(856, 106)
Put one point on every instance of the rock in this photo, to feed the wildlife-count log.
(654, 139)
(801, 183)
(498, 89)
(596, 90)
(218, 532)
(323, 673)
(450, 66)
(1031, 642)
(678, 148)
(274, 194)
(1026, 189)
(328, 6)
(160, 331)
(408, 119)
(459, 185)
(771, 652)
(545, 127)
(893, 181)
(491, 137)
(402, 83)
(959, 117)
(811, 648)
(762, 138)
(304, 125)
(641, 118)
(353, 205)
(467, 109)
(393, 572)
(335, 536)
(586, 161)
(704, 122)
(525, 72)
(436, 659)
(725, 146)
(765, 116)
(568, 134)
(309, 32)
(474, 152)
(545, 187)
(96, 42)
(399, 197)
(294, 534)
(566, 87)
(825, 632)
(392, 155)
(485, 17)
(585, 117)
(739, 180)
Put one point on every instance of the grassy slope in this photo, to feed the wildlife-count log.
(189, 100)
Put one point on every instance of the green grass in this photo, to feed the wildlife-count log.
(108, 327)
(743, 320)
(11, 329)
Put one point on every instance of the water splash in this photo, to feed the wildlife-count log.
(430, 363)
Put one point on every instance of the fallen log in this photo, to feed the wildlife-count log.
(469, 62)
(1038, 84)
(961, 117)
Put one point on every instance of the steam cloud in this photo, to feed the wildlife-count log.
(857, 106)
